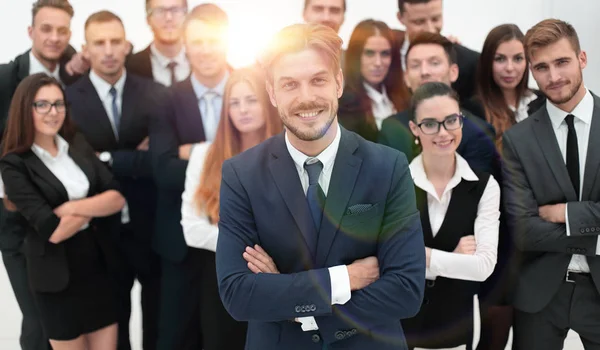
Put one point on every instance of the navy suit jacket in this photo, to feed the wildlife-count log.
(476, 147)
(181, 125)
(262, 202)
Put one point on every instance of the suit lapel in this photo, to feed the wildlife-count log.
(87, 168)
(546, 138)
(129, 102)
(23, 66)
(592, 160)
(96, 110)
(37, 166)
(288, 183)
(146, 62)
(193, 120)
(343, 178)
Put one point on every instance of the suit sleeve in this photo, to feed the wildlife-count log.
(584, 218)
(479, 149)
(260, 297)
(8, 78)
(168, 168)
(29, 201)
(398, 293)
(132, 163)
(531, 232)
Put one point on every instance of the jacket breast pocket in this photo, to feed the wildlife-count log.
(370, 215)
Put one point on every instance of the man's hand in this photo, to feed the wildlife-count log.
(77, 65)
(144, 145)
(185, 151)
(453, 39)
(65, 209)
(554, 213)
(466, 245)
(427, 256)
(259, 261)
(363, 272)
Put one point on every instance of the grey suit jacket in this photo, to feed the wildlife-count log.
(535, 174)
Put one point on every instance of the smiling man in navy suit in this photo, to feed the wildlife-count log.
(320, 243)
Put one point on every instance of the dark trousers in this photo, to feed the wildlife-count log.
(141, 263)
(192, 314)
(575, 306)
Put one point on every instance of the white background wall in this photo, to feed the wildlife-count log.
(253, 21)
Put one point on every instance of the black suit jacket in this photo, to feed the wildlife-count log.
(36, 192)
(140, 64)
(12, 73)
(536, 175)
(182, 125)
(467, 60)
(142, 100)
(474, 105)
(476, 147)
(353, 117)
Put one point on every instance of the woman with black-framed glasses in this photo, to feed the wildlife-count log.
(460, 219)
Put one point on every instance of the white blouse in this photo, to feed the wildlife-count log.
(476, 267)
(381, 105)
(522, 111)
(65, 169)
(198, 231)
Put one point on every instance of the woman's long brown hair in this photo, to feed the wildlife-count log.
(489, 93)
(227, 141)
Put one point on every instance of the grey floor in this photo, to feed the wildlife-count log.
(10, 319)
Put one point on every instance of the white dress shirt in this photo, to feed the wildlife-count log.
(381, 105)
(160, 66)
(583, 119)
(210, 122)
(103, 90)
(340, 281)
(198, 231)
(65, 169)
(522, 111)
(404, 51)
(35, 66)
(476, 267)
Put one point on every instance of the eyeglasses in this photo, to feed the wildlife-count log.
(432, 126)
(161, 12)
(44, 107)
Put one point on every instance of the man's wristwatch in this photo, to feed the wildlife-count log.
(106, 157)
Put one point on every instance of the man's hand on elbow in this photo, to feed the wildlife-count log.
(259, 261)
(363, 272)
(554, 213)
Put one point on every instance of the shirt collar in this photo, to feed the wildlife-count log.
(200, 89)
(35, 66)
(327, 157)
(462, 171)
(524, 102)
(61, 144)
(376, 96)
(164, 61)
(583, 111)
(103, 87)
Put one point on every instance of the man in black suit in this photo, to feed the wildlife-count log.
(329, 13)
(196, 109)
(50, 53)
(552, 196)
(431, 57)
(427, 16)
(113, 109)
(164, 60)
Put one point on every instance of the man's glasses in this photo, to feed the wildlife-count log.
(44, 107)
(432, 126)
(161, 12)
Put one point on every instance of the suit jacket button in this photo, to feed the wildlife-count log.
(597, 229)
(587, 230)
(583, 251)
(316, 338)
(297, 309)
(339, 335)
(593, 229)
(313, 308)
(582, 230)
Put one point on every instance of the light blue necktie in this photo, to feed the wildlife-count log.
(115, 109)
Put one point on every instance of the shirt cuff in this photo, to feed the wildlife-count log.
(567, 219)
(340, 285)
(308, 323)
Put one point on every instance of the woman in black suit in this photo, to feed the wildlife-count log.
(68, 198)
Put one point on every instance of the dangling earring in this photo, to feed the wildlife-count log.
(416, 141)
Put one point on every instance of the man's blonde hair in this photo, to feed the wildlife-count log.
(548, 32)
(298, 37)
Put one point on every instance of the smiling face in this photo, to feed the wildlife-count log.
(422, 17)
(50, 33)
(375, 60)
(429, 63)
(329, 13)
(428, 113)
(509, 64)
(47, 120)
(245, 110)
(305, 91)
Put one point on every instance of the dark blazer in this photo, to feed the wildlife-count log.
(467, 60)
(477, 145)
(140, 64)
(181, 125)
(132, 168)
(12, 73)
(535, 175)
(262, 202)
(36, 192)
(353, 116)
(474, 105)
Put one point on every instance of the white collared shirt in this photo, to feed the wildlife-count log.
(198, 231)
(35, 66)
(160, 69)
(340, 281)
(210, 123)
(381, 105)
(65, 169)
(522, 111)
(583, 119)
(476, 267)
(103, 89)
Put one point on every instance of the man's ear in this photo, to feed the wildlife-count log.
(271, 93)
(399, 16)
(339, 80)
(454, 72)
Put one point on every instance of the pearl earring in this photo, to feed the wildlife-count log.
(416, 141)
